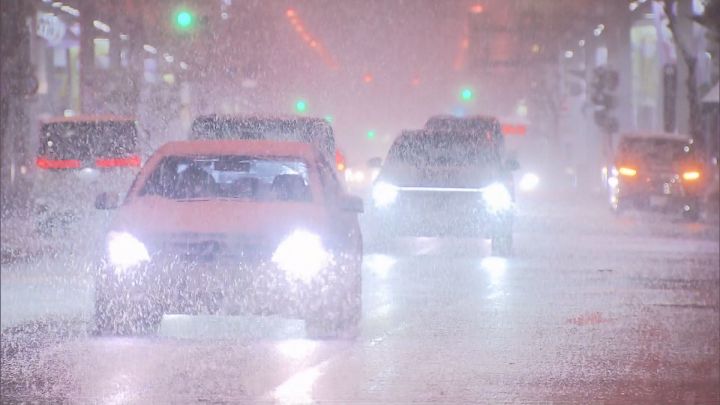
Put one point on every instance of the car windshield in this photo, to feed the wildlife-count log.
(229, 177)
(655, 150)
(88, 139)
(442, 149)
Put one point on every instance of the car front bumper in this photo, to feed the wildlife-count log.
(179, 286)
(443, 215)
(661, 192)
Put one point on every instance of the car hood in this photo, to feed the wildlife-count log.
(438, 176)
(153, 216)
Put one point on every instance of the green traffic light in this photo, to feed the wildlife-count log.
(301, 106)
(466, 94)
(329, 118)
(371, 134)
(184, 19)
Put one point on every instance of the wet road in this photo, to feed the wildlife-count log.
(591, 308)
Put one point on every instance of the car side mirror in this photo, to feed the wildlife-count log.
(512, 165)
(351, 203)
(107, 201)
(374, 163)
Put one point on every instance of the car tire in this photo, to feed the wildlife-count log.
(339, 317)
(116, 315)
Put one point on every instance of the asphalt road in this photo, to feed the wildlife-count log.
(591, 309)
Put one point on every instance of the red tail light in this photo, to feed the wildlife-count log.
(130, 161)
(339, 160)
(510, 129)
(45, 163)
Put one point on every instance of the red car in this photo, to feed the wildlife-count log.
(256, 227)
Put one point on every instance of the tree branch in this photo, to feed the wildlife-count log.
(672, 25)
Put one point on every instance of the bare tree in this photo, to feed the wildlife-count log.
(690, 60)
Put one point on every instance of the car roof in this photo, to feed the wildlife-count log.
(649, 136)
(463, 118)
(86, 118)
(239, 147)
(260, 117)
(428, 133)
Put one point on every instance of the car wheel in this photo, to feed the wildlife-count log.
(339, 317)
(116, 315)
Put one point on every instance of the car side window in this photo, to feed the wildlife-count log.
(332, 187)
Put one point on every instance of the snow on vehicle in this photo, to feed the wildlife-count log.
(253, 227)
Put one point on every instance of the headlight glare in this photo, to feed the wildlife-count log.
(124, 250)
(497, 198)
(529, 182)
(384, 194)
(302, 255)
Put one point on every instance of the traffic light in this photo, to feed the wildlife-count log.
(466, 94)
(604, 82)
(371, 134)
(184, 20)
(301, 106)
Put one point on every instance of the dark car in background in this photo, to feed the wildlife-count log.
(657, 171)
(437, 182)
(479, 125)
(315, 131)
(77, 158)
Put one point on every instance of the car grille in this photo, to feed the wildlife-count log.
(664, 183)
(439, 201)
(198, 247)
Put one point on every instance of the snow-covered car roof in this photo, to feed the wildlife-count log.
(86, 118)
(261, 117)
(251, 147)
(463, 118)
(655, 135)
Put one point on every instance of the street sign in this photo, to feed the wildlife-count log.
(51, 28)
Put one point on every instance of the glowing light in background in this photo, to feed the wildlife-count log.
(301, 106)
(380, 264)
(477, 9)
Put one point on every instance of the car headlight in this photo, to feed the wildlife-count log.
(125, 250)
(302, 255)
(354, 176)
(529, 182)
(384, 194)
(497, 198)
